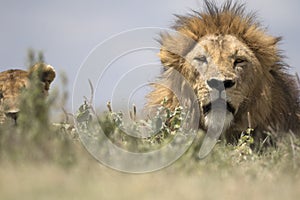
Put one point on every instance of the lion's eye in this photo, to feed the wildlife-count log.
(201, 59)
(239, 62)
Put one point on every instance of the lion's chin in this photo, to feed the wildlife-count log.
(218, 121)
(218, 115)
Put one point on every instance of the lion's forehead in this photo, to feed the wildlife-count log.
(220, 49)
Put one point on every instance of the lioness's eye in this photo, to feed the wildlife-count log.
(201, 59)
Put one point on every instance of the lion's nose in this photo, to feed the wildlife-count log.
(220, 84)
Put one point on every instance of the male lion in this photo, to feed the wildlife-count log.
(229, 61)
(13, 81)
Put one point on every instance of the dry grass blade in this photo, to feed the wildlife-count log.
(249, 120)
(133, 114)
(109, 107)
(67, 115)
(293, 151)
(298, 79)
(92, 91)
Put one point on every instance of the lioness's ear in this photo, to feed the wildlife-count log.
(45, 73)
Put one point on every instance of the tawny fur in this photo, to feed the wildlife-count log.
(262, 87)
(13, 81)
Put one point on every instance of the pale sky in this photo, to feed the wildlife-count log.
(68, 30)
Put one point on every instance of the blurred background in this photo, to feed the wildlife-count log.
(67, 31)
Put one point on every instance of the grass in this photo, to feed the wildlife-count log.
(32, 169)
(42, 160)
(217, 177)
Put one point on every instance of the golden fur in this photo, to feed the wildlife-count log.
(226, 45)
(13, 81)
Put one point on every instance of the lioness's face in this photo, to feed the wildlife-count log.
(14, 81)
(220, 66)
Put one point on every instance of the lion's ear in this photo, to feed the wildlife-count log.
(45, 73)
(174, 48)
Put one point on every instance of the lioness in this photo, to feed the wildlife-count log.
(230, 61)
(13, 81)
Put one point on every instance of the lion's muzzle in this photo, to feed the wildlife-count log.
(220, 85)
(218, 99)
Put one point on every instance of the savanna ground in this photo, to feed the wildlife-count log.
(222, 175)
(40, 159)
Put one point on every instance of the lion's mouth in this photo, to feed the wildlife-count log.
(218, 104)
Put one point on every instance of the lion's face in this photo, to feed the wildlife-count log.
(14, 81)
(221, 69)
